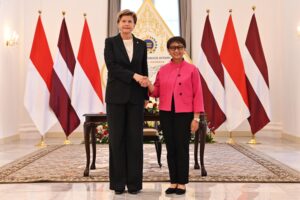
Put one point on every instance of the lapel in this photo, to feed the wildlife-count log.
(123, 49)
(136, 45)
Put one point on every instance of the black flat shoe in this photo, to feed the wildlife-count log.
(170, 190)
(133, 191)
(119, 191)
(180, 191)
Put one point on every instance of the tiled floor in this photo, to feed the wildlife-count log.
(282, 150)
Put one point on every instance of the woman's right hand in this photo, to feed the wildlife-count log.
(142, 80)
(137, 77)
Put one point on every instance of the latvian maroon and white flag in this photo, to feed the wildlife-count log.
(212, 78)
(38, 82)
(87, 91)
(257, 79)
(62, 78)
(236, 96)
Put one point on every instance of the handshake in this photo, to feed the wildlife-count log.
(142, 80)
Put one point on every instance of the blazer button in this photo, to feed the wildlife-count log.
(180, 93)
(178, 75)
(179, 83)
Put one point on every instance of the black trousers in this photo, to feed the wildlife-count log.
(177, 134)
(125, 123)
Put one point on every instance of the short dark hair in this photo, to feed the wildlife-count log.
(127, 12)
(176, 39)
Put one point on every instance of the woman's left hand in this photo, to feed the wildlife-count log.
(194, 126)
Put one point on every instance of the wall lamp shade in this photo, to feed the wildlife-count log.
(298, 30)
(11, 37)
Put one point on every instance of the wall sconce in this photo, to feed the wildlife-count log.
(298, 30)
(11, 37)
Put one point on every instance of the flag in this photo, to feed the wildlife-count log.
(62, 78)
(38, 82)
(257, 79)
(212, 78)
(236, 97)
(87, 91)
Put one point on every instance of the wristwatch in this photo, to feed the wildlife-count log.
(196, 119)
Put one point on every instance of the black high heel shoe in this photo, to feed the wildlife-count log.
(119, 191)
(180, 191)
(133, 191)
(171, 191)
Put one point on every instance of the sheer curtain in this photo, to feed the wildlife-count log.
(113, 9)
(185, 23)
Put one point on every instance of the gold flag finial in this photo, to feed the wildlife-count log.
(40, 12)
(63, 13)
(207, 11)
(253, 8)
(230, 11)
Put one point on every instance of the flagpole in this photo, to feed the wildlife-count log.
(230, 140)
(42, 143)
(253, 139)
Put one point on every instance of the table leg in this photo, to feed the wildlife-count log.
(196, 143)
(203, 129)
(158, 152)
(93, 135)
(87, 148)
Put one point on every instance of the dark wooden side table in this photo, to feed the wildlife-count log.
(94, 120)
(200, 134)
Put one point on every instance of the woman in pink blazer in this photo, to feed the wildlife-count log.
(179, 90)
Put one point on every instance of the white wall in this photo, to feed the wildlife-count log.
(291, 68)
(268, 15)
(10, 67)
(22, 17)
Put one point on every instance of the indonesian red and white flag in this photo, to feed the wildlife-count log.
(87, 91)
(236, 96)
(212, 78)
(257, 79)
(38, 82)
(62, 77)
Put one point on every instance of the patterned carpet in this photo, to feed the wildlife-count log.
(224, 163)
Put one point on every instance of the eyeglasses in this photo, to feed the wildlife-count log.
(179, 48)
